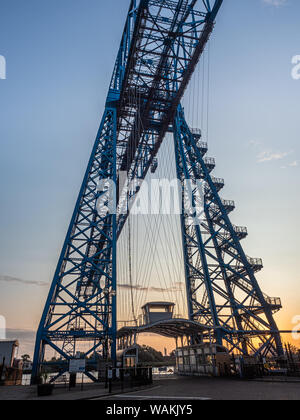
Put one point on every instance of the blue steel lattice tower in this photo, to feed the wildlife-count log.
(161, 45)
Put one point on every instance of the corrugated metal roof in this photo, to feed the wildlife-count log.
(171, 328)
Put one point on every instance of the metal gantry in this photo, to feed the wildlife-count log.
(220, 278)
(161, 45)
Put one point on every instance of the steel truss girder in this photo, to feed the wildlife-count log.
(161, 45)
(222, 289)
(82, 299)
(153, 68)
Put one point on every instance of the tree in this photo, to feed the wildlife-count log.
(293, 349)
(148, 354)
(25, 358)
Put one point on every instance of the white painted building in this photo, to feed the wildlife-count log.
(8, 352)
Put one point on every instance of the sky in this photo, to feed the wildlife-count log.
(59, 59)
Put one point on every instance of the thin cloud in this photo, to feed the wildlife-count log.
(176, 288)
(269, 156)
(20, 334)
(137, 287)
(276, 3)
(9, 279)
(294, 164)
(26, 339)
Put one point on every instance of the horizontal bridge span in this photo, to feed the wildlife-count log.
(171, 328)
(161, 46)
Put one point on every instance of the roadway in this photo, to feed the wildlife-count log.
(186, 388)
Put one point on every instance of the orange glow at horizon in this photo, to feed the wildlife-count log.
(158, 342)
(284, 323)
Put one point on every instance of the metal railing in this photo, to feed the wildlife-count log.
(117, 378)
(203, 146)
(210, 161)
(273, 301)
(255, 262)
(196, 132)
(219, 181)
(228, 203)
(240, 229)
(140, 322)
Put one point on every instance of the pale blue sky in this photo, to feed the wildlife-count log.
(60, 55)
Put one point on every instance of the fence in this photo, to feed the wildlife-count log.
(128, 378)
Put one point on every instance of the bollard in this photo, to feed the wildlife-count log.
(110, 379)
(106, 378)
(150, 376)
(122, 379)
(82, 382)
(72, 383)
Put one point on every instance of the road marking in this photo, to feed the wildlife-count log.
(142, 390)
(128, 395)
(160, 398)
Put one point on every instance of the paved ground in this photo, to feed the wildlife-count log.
(215, 389)
(60, 393)
(175, 389)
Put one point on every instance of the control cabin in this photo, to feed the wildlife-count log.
(157, 311)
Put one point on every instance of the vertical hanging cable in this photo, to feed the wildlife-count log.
(208, 89)
(130, 271)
